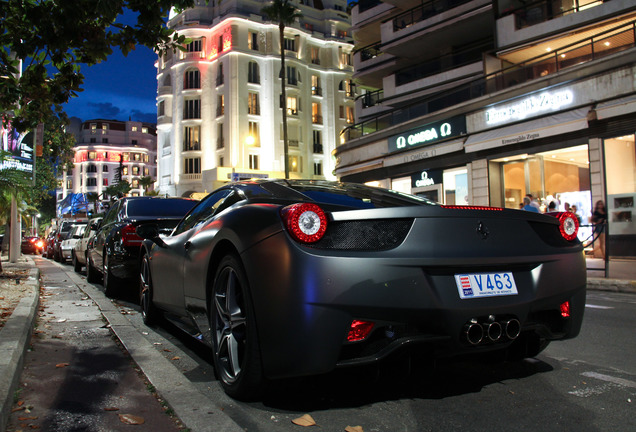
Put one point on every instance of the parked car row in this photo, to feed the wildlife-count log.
(285, 278)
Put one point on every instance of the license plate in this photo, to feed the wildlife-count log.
(474, 285)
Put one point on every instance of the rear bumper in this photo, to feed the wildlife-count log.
(305, 301)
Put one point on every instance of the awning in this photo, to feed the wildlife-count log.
(557, 124)
(616, 107)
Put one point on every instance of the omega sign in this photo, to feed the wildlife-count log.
(428, 134)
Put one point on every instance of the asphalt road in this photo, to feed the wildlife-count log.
(585, 384)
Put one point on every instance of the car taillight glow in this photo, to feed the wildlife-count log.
(565, 309)
(466, 207)
(39, 243)
(306, 222)
(359, 330)
(129, 236)
(568, 226)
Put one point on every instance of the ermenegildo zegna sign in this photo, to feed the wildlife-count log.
(428, 134)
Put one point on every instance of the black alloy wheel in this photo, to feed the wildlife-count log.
(109, 281)
(76, 264)
(236, 352)
(91, 272)
(149, 312)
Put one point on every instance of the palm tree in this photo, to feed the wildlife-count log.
(12, 185)
(283, 13)
(146, 182)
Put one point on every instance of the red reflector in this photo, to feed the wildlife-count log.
(565, 309)
(461, 207)
(129, 236)
(359, 330)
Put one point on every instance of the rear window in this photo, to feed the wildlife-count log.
(159, 207)
(350, 195)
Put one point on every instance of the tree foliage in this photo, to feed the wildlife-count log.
(53, 38)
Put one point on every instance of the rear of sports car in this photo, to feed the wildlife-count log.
(374, 281)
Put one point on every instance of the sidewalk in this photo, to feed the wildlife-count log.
(15, 335)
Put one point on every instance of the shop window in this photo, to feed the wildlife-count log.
(620, 169)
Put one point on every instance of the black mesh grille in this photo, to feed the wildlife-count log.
(369, 235)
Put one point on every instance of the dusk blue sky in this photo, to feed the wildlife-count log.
(118, 89)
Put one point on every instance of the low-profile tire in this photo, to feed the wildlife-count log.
(76, 264)
(111, 282)
(236, 352)
(91, 272)
(149, 312)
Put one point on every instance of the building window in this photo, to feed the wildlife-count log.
(192, 79)
(135, 170)
(91, 181)
(92, 155)
(124, 171)
(295, 163)
(290, 44)
(252, 40)
(220, 105)
(137, 157)
(195, 46)
(253, 132)
(104, 140)
(126, 157)
(134, 142)
(316, 89)
(220, 141)
(318, 168)
(135, 183)
(315, 55)
(133, 128)
(317, 141)
(93, 140)
(91, 168)
(192, 109)
(253, 73)
(105, 182)
(316, 113)
(144, 130)
(191, 138)
(347, 87)
(292, 105)
(253, 106)
(192, 166)
(105, 168)
(253, 161)
(219, 75)
(292, 76)
(221, 161)
(146, 171)
(347, 113)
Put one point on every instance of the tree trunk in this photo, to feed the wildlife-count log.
(281, 28)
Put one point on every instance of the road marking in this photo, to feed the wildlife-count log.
(608, 378)
(591, 306)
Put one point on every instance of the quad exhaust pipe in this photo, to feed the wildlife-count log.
(490, 330)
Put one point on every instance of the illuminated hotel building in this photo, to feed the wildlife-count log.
(482, 102)
(219, 111)
(100, 146)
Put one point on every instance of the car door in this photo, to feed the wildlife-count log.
(167, 265)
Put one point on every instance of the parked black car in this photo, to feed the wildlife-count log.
(114, 250)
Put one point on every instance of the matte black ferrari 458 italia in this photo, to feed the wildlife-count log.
(287, 278)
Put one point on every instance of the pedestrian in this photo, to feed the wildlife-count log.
(573, 209)
(599, 218)
(534, 203)
(551, 207)
(527, 205)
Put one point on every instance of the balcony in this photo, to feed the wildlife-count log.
(548, 17)
(578, 53)
(164, 122)
(316, 91)
(190, 177)
(192, 56)
(316, 119)
(434, 25)
(164, 91)
(318, 148)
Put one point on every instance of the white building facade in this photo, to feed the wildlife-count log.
(102, 147)
(219, 102)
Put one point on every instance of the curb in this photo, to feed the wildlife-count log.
(15, 337)
(193, 409)
(613, 285)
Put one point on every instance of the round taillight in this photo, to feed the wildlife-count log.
(568, 225)
(306, 222)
